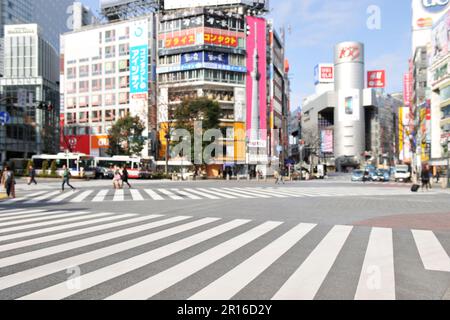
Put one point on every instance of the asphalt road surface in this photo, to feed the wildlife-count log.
(212, 240)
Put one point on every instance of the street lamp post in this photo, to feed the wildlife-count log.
(167, 136)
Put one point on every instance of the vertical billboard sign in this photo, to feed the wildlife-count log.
(256, 92)
(139, 58)
(327, 141)
(407, 92)
(440, 39)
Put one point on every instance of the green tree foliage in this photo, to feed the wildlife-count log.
(53, 169)
(27, 168)
(45, 168)
(125, 137)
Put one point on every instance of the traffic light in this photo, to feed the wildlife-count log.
(248, 28)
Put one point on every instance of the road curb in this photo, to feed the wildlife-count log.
(447, 295)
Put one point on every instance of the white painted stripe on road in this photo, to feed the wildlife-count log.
(82, 196)
(34, 241)
(377, 280)
(261, 191)
(62, 197)
(235, 194)
(219, 194)
(23, 215)
(433, 255)
(153, 285)
(12, 212)
(61, 227)
(187, 194)
(254, 194)
(23, 198)
(100, 197)
(307, 279)
(119, 195)
(154, 195)
(43, 197)
(20, 213)
(47, 269)
(61, 291)
(38, 217)
(19, 258)
(203, 194)
(81, 215)
(136, 195)
(283, 193)
(227, 286)
(170, 194)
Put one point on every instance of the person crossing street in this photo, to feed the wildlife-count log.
(125, 177)
(66, 178)
(32, 175)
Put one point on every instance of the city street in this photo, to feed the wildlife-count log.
(330, 239)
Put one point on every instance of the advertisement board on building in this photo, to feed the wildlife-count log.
(326, 145)
(139, 57)
(349, 52)
(76, 144)
(376, 79)
(100, 142)
(407, 89)
(163, 105)
(349, 105)
(440, 38)
(177, 4)
(239, 105)
(427, 12)
(404, 142)
(256, 43)
(324, 73)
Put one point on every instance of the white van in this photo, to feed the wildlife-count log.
(402, 173)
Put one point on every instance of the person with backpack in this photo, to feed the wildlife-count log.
(32, 175)
(125, 176)
(9, 182)
(66, 178)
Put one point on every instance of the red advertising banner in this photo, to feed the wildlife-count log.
(376, 79)
(222, 40)
(76, 144)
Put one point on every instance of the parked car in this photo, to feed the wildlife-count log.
(357, 175)
(103, 173)
(382, 175)
(402, 173)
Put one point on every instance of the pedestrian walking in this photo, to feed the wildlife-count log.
(31, 175)
(125, 177)
(9, 182)
(425, 178)
(66, 178)
(282, 175)
(117, 178)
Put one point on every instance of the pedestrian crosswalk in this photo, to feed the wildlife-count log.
(195, 194)
(119, 256)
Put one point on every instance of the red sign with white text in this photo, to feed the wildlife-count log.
(326, 73)
(376, 79)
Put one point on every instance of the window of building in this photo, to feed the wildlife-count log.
(110, 35)
(125, 34)
(124, 49)
(96, 116)
(71, 73)
(123, 113)
(124, 81)
(110, 83)
(110, 115)
(84, 101)
(124, 97)
(124, 65)
(71, 87)
(96, 85)
(110, 52)
(96, 100)
(97, 69)
(110, 99)
(71, 103)
(83, 117)
(84, 71)
(84, 86)
(110, 67)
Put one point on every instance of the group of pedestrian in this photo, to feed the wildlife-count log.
(120, 177)
(8, 181)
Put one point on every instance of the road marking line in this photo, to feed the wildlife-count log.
(39, 253)
(433, 255)
(236, 194)
(135, 194)
(100, 197)
(220, 194)
(38, 217)
(29, 214)
(82, 196)
(154, 195)
(261, 191)
(170, 194)
(12, 212)
(187, 194)
(227, 286)
(377, 280)
(21, 244)
(255, 194)
(153, 285)
(62, 197)
(59, 228)
(44, 270)
(307, 279)
(43, 197)
(23, 198)
(89, 280)
(119, 195)
(203, 194)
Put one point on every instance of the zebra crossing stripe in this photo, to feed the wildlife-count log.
(37, 217)
(23, 215)
(203, 194)
(432, 254)
(258, 195)
(136, 195)
(154, 195)
(287, 194)
(153, 285)
(119, 195)
(23, 198)
(220, 194)
(236, 194)
(82, 197)
(307, 279)
(261, 191)
(100, 197)
(61, 291)
(62, 227)
(170, 194)
(377, 280)
(187, 194)
(62, 197)
(58, 236)
(234, 281)
(43, 197)
(12, 212)
(19, 214)
(19, 258)
(50, 268)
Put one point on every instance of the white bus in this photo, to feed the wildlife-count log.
(138, 168)
(79, 164)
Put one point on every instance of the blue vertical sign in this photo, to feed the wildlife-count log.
(139, 69)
